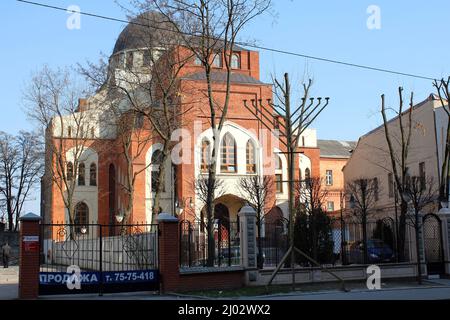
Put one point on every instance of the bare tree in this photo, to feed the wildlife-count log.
(363, 195)
(52, 102)
(420, 194)
(210, 27)
(442, 88)
(257, 191)
(310, 198)
(398, 155)
(21, 164)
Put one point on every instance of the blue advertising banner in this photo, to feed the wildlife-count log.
(95, 281)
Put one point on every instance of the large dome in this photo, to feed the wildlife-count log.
(138, 33)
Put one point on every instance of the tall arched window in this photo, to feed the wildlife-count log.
(81, 217)
(228, 154)
(93, 175)
(81, 174)
(205, 160)
(278, 163)
(157, 159)
(69, 171)
(250, 157)
(235, 61)
(217, 60)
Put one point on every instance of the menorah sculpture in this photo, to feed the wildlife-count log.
(292, 125)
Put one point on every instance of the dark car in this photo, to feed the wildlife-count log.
(377, 251)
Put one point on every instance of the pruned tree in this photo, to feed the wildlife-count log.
(442, 88)
(310, 199)
(420, 193)
(398, 156)
(208, 28)
(257, 191)
(21, 166)
(51, 101)
(363, 194)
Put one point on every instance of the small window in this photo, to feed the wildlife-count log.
(81, 218)
(81, 174)
(250, 157)
(155, 179)
(235, 61)
(330, 206)
(93, 132)
(129, 61)
(69, 132)
(69, 171)
(217, 61)
(279, 183)
(278, 163)
(93, 175)
(205, 160)
(307, 174)
(197, 61)
(329, 177)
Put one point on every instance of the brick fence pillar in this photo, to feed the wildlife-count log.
(247, 218)
(169, 252)
(29, 256)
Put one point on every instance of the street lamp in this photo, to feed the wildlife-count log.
(119, 216)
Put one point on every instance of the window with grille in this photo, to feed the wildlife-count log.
(228, 154)
(330, 206)
(235, 61)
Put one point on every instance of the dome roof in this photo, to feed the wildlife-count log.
(136, 35)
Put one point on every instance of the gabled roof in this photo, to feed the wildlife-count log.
(335, 148)
(219, 76)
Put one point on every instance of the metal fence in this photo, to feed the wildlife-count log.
(91, 248)
(194, 244)
(333, 242)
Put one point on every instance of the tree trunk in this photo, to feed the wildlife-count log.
(417, 229)
(402, 231)
(210, 206)
(364, 232)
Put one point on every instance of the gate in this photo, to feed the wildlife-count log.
(92, 259)
(433, 244)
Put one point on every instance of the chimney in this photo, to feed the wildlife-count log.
(82, 104)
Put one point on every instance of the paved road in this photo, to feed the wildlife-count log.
(9, 282)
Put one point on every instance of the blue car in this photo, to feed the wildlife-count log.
(377, 252)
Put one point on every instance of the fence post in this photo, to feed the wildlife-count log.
(169, 251)
(247, 218)
(29, 257)
(444, 215)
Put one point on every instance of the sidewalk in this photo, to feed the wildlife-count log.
(9, 282)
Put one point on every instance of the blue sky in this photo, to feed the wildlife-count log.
(411, 39)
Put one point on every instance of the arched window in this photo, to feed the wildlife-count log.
(93, 175)
(235, 61)
(228, 154)
(278, 163)
(81, 174)
(250, 157)
(217, 61)
(69, 171)
(157, 159)
(81, 217)
(205, 160)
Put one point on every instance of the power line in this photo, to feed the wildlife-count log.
(297, 54)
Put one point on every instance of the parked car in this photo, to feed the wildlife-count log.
(377, 251)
